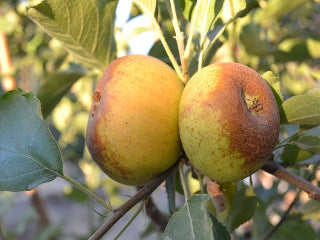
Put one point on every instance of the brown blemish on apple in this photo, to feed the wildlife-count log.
(116, 129)
(253, 131)
(97, 145)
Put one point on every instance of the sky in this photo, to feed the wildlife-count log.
(141, 43)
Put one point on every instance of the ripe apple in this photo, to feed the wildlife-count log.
(133, 128)
(229, 121)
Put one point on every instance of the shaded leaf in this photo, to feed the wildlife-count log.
(170, 189)
(54, 89)
(85, 28)
(277, 9)
(297, 50)
(295, 230)
(292, 153)
(159, 52)
(29, 155)
(308, 142)
(243, 208)
(191, 221)
(303, 109)
(260, 223)
(219, 231)
(253, 44)
(310, 210)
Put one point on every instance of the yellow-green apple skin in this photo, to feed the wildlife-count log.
(229, 121)
(133, 128)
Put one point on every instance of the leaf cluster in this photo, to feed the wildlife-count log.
(38, 130)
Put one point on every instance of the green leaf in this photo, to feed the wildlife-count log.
(29, 155)
(242, 209)
(295, 230)
(313, 47)
(292, 154)
(205, 15)
(54, 89)
(308, 142)
(218, 29)
(310, 210)
(275, 9)
(303, 109)
(170, 189)
(274, 83)
(219, 231)
(150, 5)
(191, 221)
(85, 28)
(253, 44)
(159, 52)
(187, 7)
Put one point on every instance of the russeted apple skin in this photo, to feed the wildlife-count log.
(133, 128)
(223, 138)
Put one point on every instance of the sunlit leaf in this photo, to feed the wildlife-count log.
(274, 83)
(313, 47)
(29, 155)
(85, 28)
(206, 14)
(303, 109)
(187, 7)
(191, 221)
(218, 29)
(149, 4)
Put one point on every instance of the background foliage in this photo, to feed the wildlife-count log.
(59, 49)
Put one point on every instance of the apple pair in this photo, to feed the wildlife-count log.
(226, 118)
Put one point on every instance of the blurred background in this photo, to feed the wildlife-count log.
(281, 36)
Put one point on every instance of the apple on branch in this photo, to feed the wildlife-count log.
(229, 121)
(133, 128)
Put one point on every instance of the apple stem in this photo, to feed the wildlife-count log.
(277, 170)
(157, 27)
(183, 179)
(180, 42)
(86, 191)
(142, 194)
(130, 221)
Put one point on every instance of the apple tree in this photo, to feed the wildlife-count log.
(54, 51)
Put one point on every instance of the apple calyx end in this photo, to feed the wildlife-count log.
(253, 104)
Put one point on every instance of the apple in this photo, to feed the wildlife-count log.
(229, 121)
(133, 127)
